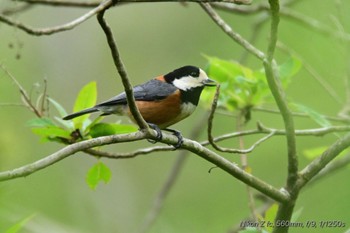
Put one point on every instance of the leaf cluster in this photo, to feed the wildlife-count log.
(77, 129)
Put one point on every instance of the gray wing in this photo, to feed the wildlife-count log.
(151, 90)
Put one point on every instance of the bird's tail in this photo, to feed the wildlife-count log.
(76, 114)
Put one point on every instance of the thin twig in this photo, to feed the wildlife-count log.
(26, 98)
(65, 3)
(128, 155)
(232, 34)
(17, 9)
(94, 3)
(122, 71)
(223, 149)
(12, 105)
(261, 129)
(343, 119)
(56, 29)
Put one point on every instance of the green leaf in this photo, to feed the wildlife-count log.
(270, 215)
(97, 173)
(315, 116)
(51, 132)
(250, 230)
(290, 68)
(314, 152)
(86, 99)
(296, 214)
(67, 124)
(104, 129)
(58, 107)
(40, 122)
(19, 225)
(317, 151)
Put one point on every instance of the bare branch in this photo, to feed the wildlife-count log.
(144, 151)
(66, 3)
(95, 3)
(67, 151)
(320, 163)
(232, 34)
(334, 165)
(122, 72)
(343, 119)
(189, 145)
(56, 29)
(223, 149)
(26, 99)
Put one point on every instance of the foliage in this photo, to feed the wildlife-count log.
(98, 172)
(77, 129)
(243, 87)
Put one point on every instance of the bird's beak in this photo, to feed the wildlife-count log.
(209, 83)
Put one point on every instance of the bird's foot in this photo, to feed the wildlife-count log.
(159, 133)
(179, 138)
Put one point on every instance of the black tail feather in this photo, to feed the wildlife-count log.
(76, 114)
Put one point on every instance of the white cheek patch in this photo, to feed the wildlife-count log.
(187, 82)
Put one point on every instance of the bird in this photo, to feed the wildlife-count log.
(162, 101)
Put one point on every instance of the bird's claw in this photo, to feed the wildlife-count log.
(160, 136)
(159, 133)
(179, 138)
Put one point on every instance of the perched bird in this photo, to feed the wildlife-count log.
(162, 101)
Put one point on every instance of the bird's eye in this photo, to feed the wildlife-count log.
(194, 74)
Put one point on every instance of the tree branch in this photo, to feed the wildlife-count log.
(210, 127)
(189, 145)
(320, 163)
(232, 34)
(95, 3)
(285, 210)
(279, 96)
(122, 72)
(56, 29)
(67, 151)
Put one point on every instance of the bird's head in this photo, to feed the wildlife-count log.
(189, 77)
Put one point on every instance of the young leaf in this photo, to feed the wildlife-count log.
(315, 116)
(270, 215)
(98, 172)
(51, 133)
(86, 99)
(314, 152)
(19, 225)
(40, 122)
(296, 214)
(104, 129)
(252, 230)
(288, 69)
(58, 107)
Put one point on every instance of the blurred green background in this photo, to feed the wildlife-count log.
(155, 38)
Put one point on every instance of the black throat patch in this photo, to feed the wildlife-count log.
(191, 95)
